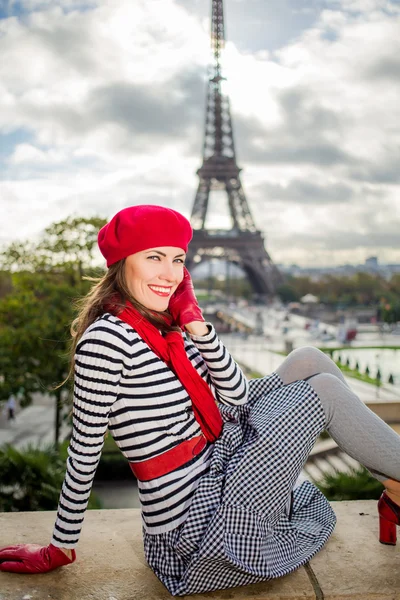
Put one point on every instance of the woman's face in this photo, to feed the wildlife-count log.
(153, 275)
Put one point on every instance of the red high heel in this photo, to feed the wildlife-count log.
(389, 517)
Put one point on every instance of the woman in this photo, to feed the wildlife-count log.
(216, 457)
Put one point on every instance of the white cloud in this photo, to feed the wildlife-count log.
(112, 97)
(28, 154)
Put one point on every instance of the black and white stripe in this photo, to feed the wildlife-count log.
(121, 385)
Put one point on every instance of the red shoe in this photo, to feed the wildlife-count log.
(389, 517)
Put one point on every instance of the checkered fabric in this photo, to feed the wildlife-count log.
(238, 530)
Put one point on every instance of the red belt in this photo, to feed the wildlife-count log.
(168, 461)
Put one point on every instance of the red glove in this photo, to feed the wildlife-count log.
(183, 305)
(32, 558)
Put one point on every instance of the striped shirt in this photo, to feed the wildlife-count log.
(121, 385)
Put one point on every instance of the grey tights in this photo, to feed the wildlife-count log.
(353, 426)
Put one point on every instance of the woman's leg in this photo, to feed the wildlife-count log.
(392, 489)
(307, 361)
(359, 431)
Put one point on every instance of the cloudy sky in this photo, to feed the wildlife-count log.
(102, 106)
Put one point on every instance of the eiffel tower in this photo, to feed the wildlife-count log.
(243, 244)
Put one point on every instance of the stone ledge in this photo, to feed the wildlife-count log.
(111, 566)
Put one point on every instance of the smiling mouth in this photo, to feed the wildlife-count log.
(160, 291)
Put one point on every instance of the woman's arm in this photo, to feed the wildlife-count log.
(67, 552)
(98, 366)
(199, 328)
(224, 375)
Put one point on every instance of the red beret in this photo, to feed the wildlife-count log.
(141, 227)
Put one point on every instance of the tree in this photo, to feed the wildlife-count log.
(363, 289)
(36, 314)
(394, 285)
(5, 283)
(34, 336)
(69, 244)
(287, 292)
(390, 312)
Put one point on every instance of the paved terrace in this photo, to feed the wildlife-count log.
(111, 565)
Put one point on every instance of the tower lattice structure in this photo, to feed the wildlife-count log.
(243, 244)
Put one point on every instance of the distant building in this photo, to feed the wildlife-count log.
(371, 265)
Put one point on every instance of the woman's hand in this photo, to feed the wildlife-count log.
(32, 558)
(184, 307)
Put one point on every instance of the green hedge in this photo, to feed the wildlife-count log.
(357, 484)
(31, 479)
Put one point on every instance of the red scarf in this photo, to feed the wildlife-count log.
(171, 349)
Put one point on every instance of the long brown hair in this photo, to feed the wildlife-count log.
(109, 294)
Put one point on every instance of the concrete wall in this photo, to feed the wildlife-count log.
(111, 565)
(388, 411)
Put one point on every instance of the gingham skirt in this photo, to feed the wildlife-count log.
(238, 530)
